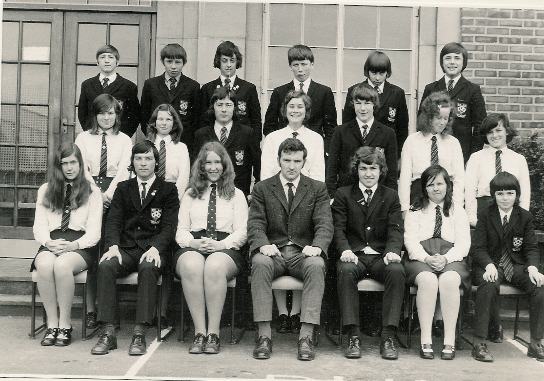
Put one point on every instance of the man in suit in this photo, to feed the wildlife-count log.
(175, 88)
(289, 232)
(248, 109)
(468, 102)
(141, 225)
(368, 234)
(392, 111)
(240, 141)
(365, 130)
(108, 81)
(323, 115)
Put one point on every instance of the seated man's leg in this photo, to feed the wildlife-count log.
(348, 275)
(148, 275)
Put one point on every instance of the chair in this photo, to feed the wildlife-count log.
(132, 280)
(81, 279)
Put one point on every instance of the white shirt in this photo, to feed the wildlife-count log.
(232, 79)
(112, 77)
(87, 218)
(217, 127)
(167, 79)
(368, 125)
(119, 152)
(419, 226)
(148, 184)
(455, 80)
(231, 218)
(507, 214)
(481, 170)
(416, 157)
(363, 189)
(178, 166)
(379, 87)
(315, 161)
(294, 187)
(305, 86)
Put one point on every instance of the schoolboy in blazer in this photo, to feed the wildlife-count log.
(348, 137)
(108, 81)
(173, 87)
(248, 109)
(323, 115)
(392, 111)
(468, 102)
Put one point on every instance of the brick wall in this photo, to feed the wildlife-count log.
(506, 58)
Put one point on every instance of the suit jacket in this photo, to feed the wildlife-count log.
(308, 223)
(378, 225)
(468, 112)
(346, 140)
(185, 99)
(248, 107)
(132, 225)
(489, 240)
(125, 91)
(392, 112)
(244, 150)
(322, 118)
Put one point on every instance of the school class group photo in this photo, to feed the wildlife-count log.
(215, 191)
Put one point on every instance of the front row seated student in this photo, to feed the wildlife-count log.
(368, 232)
(437, 237)
(141, 225)
(289, 231)
(212, 229)
(67, 225)
(506, 251)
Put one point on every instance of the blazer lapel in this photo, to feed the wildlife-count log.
(374, 131)
(115, 84)
(152, 192)
(358, 197)
(301, 192)
(233, 134)
(162, 87)
(97, 85)
(384, 97)
(496, 221)
(311, 88)
(277, 190)
(376, 200)
(356, 131)
(459, 86)
(179, 87)
(210, 132)
(135, 193)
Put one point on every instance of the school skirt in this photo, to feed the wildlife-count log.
(236, 255)
(89, 255)
(413, 268)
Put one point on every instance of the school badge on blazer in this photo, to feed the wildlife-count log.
(183, 107)
(380, 149)
(517, 243)
(242, 107)
(239, 157)
(461, 109)
(392, 114)
(156, 214)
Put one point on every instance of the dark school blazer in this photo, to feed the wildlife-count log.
(125, 91)
(392, 112)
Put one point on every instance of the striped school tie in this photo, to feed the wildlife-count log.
(223, 138)
(227, 83)
(498, 164)
(365, 131)
(66, 209)
(103, 157)
(211, 226)
(450, 85)
(105, 82)
(162, 160)
(434, 151)
(506, 260)
(295, 134)
(438, 223)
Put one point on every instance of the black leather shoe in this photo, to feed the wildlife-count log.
(306, 349)
(284, 324)
(212, 345)
(388, 349)
(49, 337)
(448, 352)
(64, 337)
(137, 346)
(438, 329)
(198, 344)
(495, 334)
(536, 351)
(426, 352)
(481, 353)
(263, 348)
(105, 344)
(90, 320)
(353, 350)
(295, 323)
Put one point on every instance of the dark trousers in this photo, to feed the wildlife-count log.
(311, 270)
(370, 266)
(487, 300)
(148, 275)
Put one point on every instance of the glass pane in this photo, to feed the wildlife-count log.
(8, 123)
(6, 204)
(36, 41)
(325, 67)
(395, 27)
(279, 70)
(90, 38)
(7, 165)
(360, 26)
(35, 84)
(130, 73)
(33, 128)
(285, 24)
(320, 25)
(84, 72)
(125, 38)
(9, 83)
(26, 206)
(32, 165)
(400, 68)
(10, 39)
(354, 61)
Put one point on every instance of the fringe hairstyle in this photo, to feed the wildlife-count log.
(428, 176)
(103, 103)
(177, 127)
(430, 107)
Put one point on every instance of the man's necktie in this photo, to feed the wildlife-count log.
(162, 160)
(450, 85)
(377, 88)
(295, 134)
(103, 157)
(434, 151)
(211, 226)
(438, 223)
(227, 83)
(223, 138)
(368, 196)
(365, 131)
(498, 164)
(142, 195)
(506, 260)
(290, 195)
(172, 83)
(66, 209)
(301, 86)
(105, 82)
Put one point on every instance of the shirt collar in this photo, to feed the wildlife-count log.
(432, 206)
(507, 214)
(379, 87)
(363, 188)
(167, 139)
(299, 131)
(369, 124)
(112, 77)
(218, 126)
(306, 84)
(284, 181)
(167, 78)
(148, 182)
(455, 80)
(108, 132)
(493, 149)
(232, 79)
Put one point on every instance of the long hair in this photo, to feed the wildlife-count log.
(491, 121)
(219, 94)
(428, 176)
(229, 49)
(198, 181)
(103, 103)
(177, 127)
(430, 107)
(367, 155)
(377, 62)
(81, 187)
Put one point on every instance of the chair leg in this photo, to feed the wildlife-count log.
(181, 336)
(159, 313)
(84, 313)
(33, 312)
(233, 309)
(410, 317)
(516, 321)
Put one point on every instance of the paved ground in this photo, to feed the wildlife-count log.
(20, 356)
